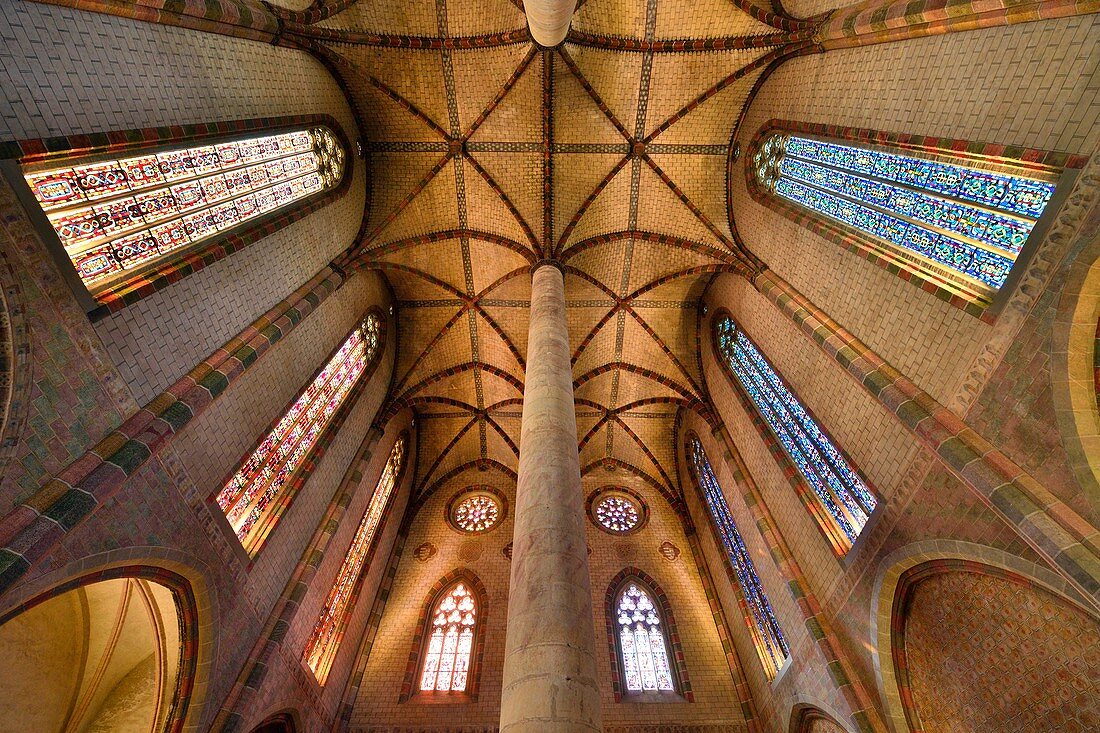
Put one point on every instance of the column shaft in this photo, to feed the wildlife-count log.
(549, 660)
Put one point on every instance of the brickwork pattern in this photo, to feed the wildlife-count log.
(985, 652)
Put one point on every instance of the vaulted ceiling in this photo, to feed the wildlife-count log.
(488, 154)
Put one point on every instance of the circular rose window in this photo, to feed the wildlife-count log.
(476, 511)
(617, 510)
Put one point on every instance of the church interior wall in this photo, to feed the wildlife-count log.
(1020, 85)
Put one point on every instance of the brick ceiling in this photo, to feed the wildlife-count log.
(488, 154)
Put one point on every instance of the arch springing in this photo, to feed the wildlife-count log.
(328, 632)
(642, 646)
(450, 643)
(839, 489)
(257, 495)
(771, 645)
(124, 213)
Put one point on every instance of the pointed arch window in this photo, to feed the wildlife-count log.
(641, 641)
(450, 641)
(256, 496)
(957, 219)
(124, 212)
(329, 631)
(842, 502)
(771, 645)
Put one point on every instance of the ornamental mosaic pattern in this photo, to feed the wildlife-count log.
(617, 513)
(644, 653)
(840, 490)
(327, 634)
(476, 513)
(113, 216)
(255, 497)
(973, 221)
(771, 646)
(447, 661)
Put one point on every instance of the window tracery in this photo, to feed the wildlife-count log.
(840, 490)
(960, 221)
(255, 497)
(325, 640)
(476, 509)
(450, 642)
(771, 645)
(117, 215)
(617, 510)
(643, 648)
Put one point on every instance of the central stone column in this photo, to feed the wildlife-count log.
(550, 652)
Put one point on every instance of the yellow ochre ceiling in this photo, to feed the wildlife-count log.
(488, 154)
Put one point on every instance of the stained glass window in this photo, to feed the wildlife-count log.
(946, 217)
(323, 644)
(255, 496)
(446, 665)
(476, 513)
(617, 513)
(115, 215)
(643, 650)
(768, 638)
(842, 493)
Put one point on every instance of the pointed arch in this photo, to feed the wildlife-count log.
(460, 585)
(630, 588)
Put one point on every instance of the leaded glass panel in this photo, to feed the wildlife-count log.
(446, 665)
(839, 488)
(642, 646)
(325, 640)
(255, 496)
(771, 646)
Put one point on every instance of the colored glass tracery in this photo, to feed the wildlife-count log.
(446, 665)
(642, 646)
(116, 215)
(476, 513)
(838, 487)
(971, 220)
(771, 646)
(325, 640)
(255, 497)
(617, 513)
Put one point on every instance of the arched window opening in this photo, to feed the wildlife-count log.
(101, 655)
(329, 631)
(450, 641)
(120, 215)
(257, 495)
(642, 646)
(767, 636)
(845, 501)
(956, 219)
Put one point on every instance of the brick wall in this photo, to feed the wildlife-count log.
(197, 77)
(1019, 85)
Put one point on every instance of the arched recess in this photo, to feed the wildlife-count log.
(15, 371)
(114, 650)
(971, 637)
(282, 722)
(1075, 369)
(807, 718)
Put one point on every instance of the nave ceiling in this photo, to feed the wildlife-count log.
(608, 154)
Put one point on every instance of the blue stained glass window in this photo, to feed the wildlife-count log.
(768, 637)
(840, 490)
(971, 220)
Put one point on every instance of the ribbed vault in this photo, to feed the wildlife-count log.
(488, 154)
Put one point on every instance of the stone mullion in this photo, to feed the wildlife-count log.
(289, 602)
(841, 670)
(1060, 535)
(35, 527)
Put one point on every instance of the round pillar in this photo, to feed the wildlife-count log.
(549, 659)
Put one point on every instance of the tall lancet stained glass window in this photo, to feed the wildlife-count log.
(771, 646)
(643, 648)
(116, 215)
(256, 496)
(845, 502)
(960, 222)
(329, 631)
(453, 624)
